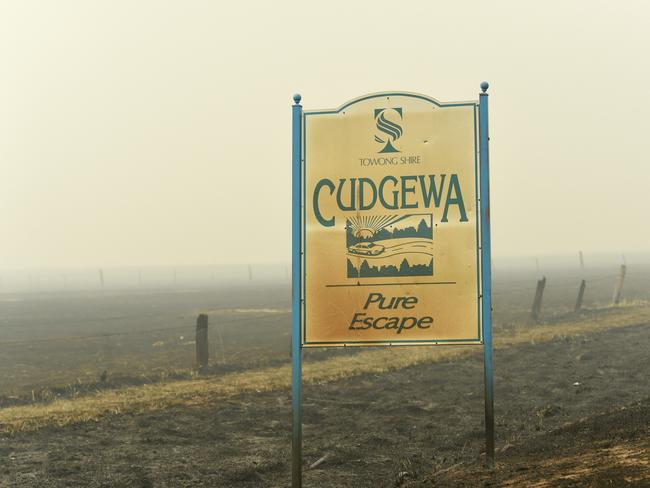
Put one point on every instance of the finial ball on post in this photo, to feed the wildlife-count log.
(297, 98)
(484, 86)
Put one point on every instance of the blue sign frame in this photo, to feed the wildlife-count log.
(479, 222)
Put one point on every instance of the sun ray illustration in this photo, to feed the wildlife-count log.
(381, 220)
(368, 225)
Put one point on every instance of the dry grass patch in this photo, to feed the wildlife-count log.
(202, 391)
(585, 468)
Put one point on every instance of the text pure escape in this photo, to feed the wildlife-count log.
(376, 302)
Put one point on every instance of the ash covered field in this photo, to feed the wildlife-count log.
(100, 388)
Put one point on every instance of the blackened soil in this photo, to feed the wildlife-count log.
(606, 450)
(556, 402)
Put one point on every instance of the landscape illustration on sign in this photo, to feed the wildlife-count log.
(389, 245)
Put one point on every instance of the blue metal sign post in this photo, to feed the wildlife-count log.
(296, 289)
(486, 274)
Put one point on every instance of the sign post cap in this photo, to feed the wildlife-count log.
(297, 98)
(484, 86)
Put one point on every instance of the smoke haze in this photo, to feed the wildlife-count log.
(149, 133)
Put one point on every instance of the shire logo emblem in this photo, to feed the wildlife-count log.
(390, 130)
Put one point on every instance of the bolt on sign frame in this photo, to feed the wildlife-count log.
(390, 231)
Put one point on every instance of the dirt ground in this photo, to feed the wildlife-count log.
(608, 450)
(573, 412)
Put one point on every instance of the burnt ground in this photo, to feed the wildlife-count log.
(573, 412)
(605, 450)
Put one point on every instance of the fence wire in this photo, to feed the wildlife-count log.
(49, 343)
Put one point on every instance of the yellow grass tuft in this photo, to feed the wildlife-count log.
(202, 391)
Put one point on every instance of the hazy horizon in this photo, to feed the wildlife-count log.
(598, 259)
(140, 134)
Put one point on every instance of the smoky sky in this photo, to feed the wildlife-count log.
(157, 132)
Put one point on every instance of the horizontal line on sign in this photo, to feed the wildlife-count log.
(415, 342)
(394, 284)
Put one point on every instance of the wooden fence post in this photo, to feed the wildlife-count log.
(618, 289)
(537, 302)
(202, 351)
(581, 294)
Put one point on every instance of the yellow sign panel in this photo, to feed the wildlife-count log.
(391, 223)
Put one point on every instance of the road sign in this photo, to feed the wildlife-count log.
(390, 232)
(390, 227)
